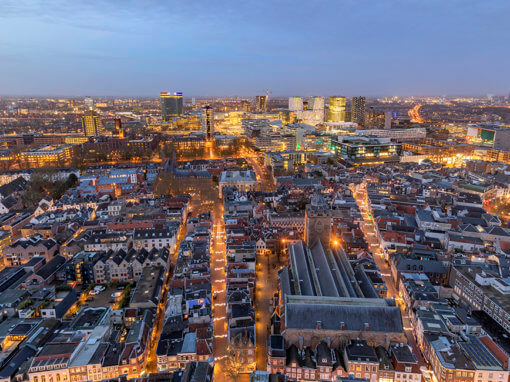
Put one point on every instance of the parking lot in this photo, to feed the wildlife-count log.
(105, 298)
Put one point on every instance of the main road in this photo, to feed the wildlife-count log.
(267, 275)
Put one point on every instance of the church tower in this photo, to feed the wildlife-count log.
(318, 221)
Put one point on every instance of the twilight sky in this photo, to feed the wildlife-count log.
(242, 47)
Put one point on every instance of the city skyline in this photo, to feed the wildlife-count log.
(345, 48)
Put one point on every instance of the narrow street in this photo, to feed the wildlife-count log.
(369, 230)
(151, 366)
(267, 283)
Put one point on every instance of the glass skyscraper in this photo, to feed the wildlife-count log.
(336, 109)
(171, 105)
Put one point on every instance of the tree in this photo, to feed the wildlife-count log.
(232, 365)
(44, 182)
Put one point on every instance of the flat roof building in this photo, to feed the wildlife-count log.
(366, 149)
(48, 155)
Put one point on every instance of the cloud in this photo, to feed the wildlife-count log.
(359, 46)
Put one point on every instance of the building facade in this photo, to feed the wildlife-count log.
(171, 105)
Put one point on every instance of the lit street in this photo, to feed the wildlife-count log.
(369, 230)
(160, 314)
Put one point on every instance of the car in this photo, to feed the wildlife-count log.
(116, 294)
(97, 289)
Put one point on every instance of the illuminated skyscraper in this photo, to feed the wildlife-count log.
(295, 104)
(316, 103)
(310, 112)
(208, 122)
(261, 103)
(92, 124)
(336, 111)
(171, 105)
(358, 110)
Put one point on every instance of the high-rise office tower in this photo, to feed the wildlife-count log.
(261, 103)
(336, 111)
(92, 124)
(374, 119)
(387, 120)
(310, 111)
(358, 110)
(208, 122)
(171, 105)
(316, 103)
(295, 103)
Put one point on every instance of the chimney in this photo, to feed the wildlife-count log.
(367, 327)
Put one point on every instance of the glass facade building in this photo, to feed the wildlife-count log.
(336, 110)
(171, 105)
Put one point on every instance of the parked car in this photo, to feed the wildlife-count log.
(116, 294)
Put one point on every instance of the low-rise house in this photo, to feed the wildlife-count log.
(22, 250)
(103, 241)
(46, 274)
(155, 238)
(52, 361)
(59, 304)
(148, 288)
